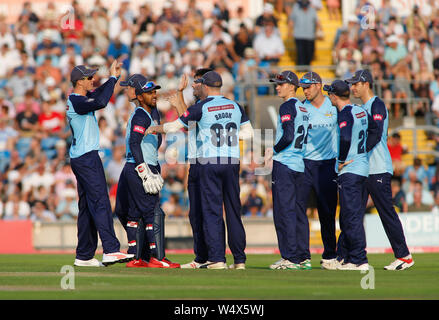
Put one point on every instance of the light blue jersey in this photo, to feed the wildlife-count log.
(85, 130)
(379, 157)
(291, 135)
(353, 124)
(81, 117)
(139, 121)
(219, 120)
(322, 133)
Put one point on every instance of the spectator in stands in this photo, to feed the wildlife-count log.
(398, 196)
(420, 191)
(120, 51)
(67, 209)
(304, 21)
(419, 170)
(18, 84)
(116, 164)
(267, 15)
(50, 122)
(417, 202)
(268, 44)
(242, 40)
(27, 120)
(433, 36)
(40, 213)
(163, 35)
(16, 208)
(396, 150)
(172, 207)
(236, 22)
(395, 52)
(40, 176)
(401, 88)
(435, 209)
(253, 204)
(386, 11)
(8, 136)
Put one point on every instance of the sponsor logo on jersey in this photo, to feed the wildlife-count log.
(186, 113)
(343, 124)
(286, 117)
(139, 129)
(329, 115)
(377, 117)
(360, 115)
(220, 108)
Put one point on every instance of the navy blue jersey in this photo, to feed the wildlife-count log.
(139, 147)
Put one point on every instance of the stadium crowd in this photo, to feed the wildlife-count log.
(37, 53)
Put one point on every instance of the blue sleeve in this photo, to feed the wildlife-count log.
(378, 115)
(193, 113)
(95, 100)
(287, 113)
(139, 123)
(345, 123)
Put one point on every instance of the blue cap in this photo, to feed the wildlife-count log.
(361, 76)
(337, 87)
(286, 77)
(211, 79)
(140, 83)
(309, 78)
(81, 72)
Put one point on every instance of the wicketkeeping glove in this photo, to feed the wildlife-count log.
(152, 183)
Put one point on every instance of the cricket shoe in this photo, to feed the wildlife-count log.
(353, 267)
(137, 264)
(164, 263)
(192, 265)
(237, 266)
(305, 265)
(330, 264)
(116, 257)
(214, 265)
(284, 264)
(401, 263)
(88, 263)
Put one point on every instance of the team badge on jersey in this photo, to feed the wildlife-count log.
(343, 124)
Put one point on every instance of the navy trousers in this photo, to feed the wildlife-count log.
(379, 188)
(321, 176)
(134, 204)
(285, 184)
(95, 215)
(353, 199)
(220, 185)
(195, 213)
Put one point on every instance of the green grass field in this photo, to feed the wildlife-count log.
(39, 277)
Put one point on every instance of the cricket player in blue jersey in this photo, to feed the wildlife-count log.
(320, 157)
(137, 201)
(193, 184)
(381, 170)
(353, 169)
(221, 123)
(288, 168)
(95, 214)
